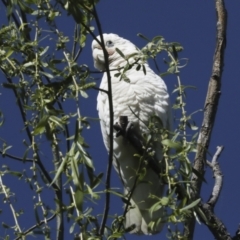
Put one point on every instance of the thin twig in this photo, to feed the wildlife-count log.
(75, 58)
(100, 89)
(7, 198)
(210, 108)
(75, 40)
(35, 226)
(57, 161)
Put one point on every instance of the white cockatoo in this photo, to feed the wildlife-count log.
(143, 96)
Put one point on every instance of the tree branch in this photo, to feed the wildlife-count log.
(35, 226)
(21, 108)
(218, 177)
(58, 194)
(214, 224)
(111, 115)
(210, 108)
(17, 158)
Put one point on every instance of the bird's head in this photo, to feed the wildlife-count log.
(111, 42)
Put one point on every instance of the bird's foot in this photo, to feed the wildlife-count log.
(124, 127)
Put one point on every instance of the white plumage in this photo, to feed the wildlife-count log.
(145, 96)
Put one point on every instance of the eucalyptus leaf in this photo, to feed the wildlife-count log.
(191, 205)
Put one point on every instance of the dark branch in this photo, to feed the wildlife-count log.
(60, 219)
(210, 108)
(110, 156)
(23, 115)
(36, 226)
(16, 158)
(215, 225)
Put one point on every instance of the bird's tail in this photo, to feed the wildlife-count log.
(138, 221)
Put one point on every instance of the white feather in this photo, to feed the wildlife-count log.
(145, 95)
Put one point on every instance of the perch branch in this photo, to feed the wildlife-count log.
(215, 225)
(210, 108)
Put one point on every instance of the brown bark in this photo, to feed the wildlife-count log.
(210, 108)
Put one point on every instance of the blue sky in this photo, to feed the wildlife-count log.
(193, 24)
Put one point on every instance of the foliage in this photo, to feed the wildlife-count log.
(41, 66)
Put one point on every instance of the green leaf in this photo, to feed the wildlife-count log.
(75, 172)
(5, 225)
(143, 37)
(138, 67)
(164, 74)
(164, 201)
(10, 85)
(172, 69)
(44, 51)
(60, 170)
(24, 7)
(47, 74)
(83, 94)
(155, 207)
(116, 193)
(72, 227)
(158, 38)
(36, 215)
(97, 181)
(57, 121)
(9, 53)
(117, 75)
(192, 126)
(182, 88)
(132, 55)
(203, 216)
(144, 69)
(78, 196)
(120, 53)
(17, 174)
(115, 235)
(28, 64)
(40, 128)
(171, 144)
(191, 205)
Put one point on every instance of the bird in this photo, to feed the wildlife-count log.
(142, 95)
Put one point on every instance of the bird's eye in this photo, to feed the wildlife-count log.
(109, 44)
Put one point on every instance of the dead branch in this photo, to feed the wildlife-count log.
(214, 224)
(210, 108)
(218, 178)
